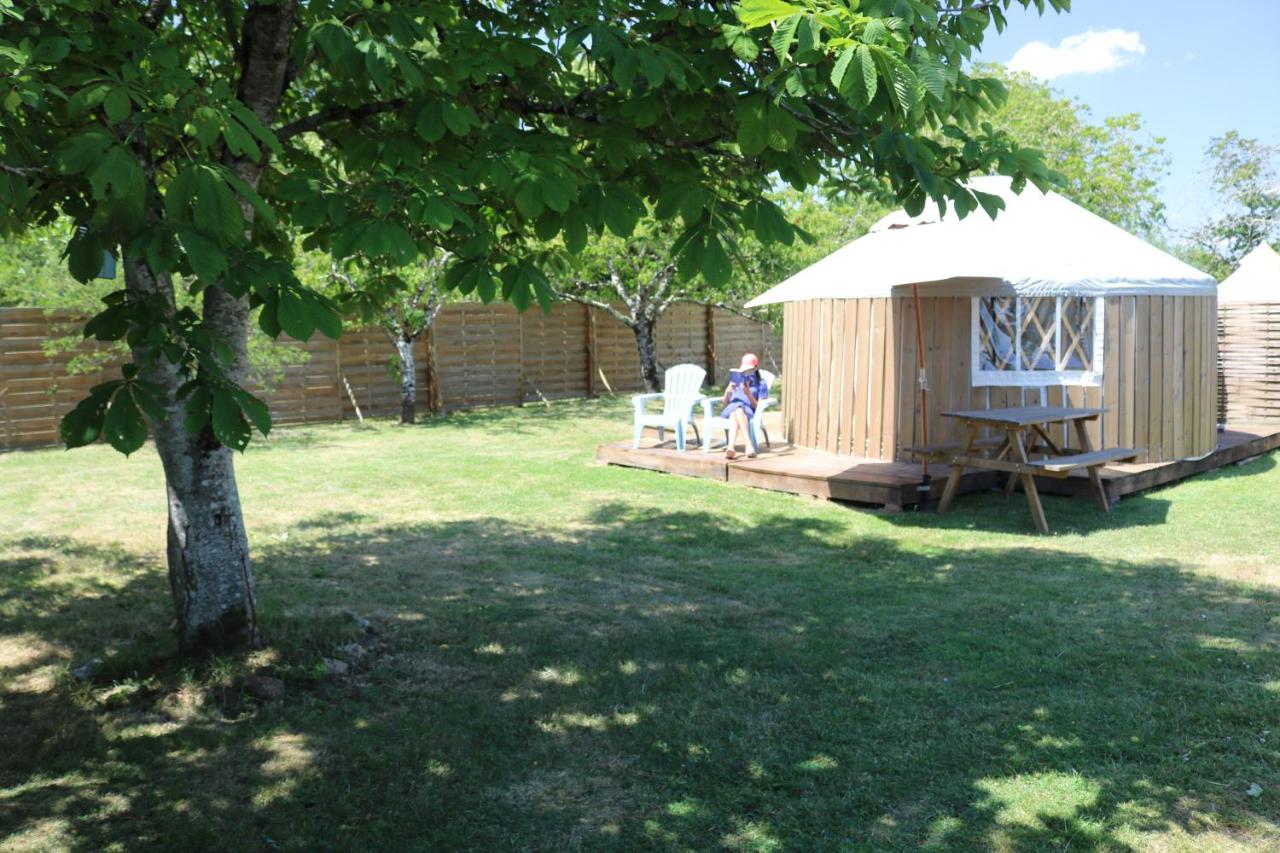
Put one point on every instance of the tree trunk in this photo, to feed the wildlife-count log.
(208, 551)
(408, 379)
(647, 348)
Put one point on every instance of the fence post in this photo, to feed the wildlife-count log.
(711, 344)
(590, 314)
(337, 380)
(435, 400)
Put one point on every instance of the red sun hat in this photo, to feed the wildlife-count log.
(749, 361)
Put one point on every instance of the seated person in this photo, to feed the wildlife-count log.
(740, 401)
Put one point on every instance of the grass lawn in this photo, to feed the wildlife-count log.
(560, 655)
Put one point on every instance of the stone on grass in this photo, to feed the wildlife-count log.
(1254, 790)
(264, 687)
(352, 650)
(85, 671)
(335, 667)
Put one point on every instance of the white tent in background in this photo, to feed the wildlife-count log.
(1249, 340)
(1046, 303)
(1257, 279)
(1041, 244)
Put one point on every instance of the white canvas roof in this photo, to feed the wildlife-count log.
(1041, 244)
(1257, 279)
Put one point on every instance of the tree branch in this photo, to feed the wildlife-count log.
(583, 299)
(333, 114)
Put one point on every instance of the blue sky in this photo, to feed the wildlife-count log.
(1193, 70)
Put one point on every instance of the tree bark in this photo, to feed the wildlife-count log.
(408, 379)
(208, 550)
(647, 349)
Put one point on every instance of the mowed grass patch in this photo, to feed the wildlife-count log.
(544, 653)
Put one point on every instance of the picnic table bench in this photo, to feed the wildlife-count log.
(1023, 433)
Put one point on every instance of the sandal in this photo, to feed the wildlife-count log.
(731, 454)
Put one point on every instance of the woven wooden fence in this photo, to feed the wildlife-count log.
(1249, 362)
(475, 355)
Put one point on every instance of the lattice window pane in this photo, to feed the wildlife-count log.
(1077, 333)
(1038, 317)
(997, 323)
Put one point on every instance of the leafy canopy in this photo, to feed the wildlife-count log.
(1245, 176)
(1113, 168)
(473, 128)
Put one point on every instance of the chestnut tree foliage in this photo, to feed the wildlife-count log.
(199, 141)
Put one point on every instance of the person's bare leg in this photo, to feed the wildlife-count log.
(744, 425)
(729, 451)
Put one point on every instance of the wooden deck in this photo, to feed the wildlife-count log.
(895, 485)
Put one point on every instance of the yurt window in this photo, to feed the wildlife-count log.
(1040, 340)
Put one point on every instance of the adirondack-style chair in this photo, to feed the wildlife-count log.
(681, 390)
(711, 421)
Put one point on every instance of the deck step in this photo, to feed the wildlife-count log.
(1061, 464)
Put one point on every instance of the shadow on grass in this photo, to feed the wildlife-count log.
(668, 680)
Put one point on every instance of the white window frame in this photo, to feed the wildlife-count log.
(1087, 378)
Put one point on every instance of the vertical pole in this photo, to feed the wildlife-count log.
(434, 401)
(711, 345)
(590, 314)
(337, 382)
(520, 389)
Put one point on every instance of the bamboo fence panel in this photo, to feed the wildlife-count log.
(1248, 362)
(480, 355)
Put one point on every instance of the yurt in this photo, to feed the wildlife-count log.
(1249, 340)
(1047, 304)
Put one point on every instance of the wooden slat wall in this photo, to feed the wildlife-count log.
(1159, 383)
(1248, 366)
(840, 388)
(484, 355)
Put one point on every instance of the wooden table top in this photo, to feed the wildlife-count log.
(1025, 415)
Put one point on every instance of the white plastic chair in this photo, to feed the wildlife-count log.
(681, 390)
(711, 422)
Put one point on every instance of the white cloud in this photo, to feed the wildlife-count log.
(1091, 52)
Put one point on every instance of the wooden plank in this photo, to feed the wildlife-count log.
(1176, 348)
(1170, 407)
(849, 350)
(1147, 378)
(886, 440)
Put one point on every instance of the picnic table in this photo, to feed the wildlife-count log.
(1021, 433)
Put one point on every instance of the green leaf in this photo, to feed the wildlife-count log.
(124, 427)
(84, 256)
(529, 199)
(783, 35)
(757, 13)
(740, 42)
(868, 67)
(325, 316)
(621, 210)
(574, 228)
(207, 258)
(753, 130)
(254, 409)
(716, 268)
(229, 424)
(82, 152)
(83, 424)
(216, 210)
(295, 319)
(992, 204)
(87, 98)
(240, 141)
(207, 123)
(117, 105)
(841, 68)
